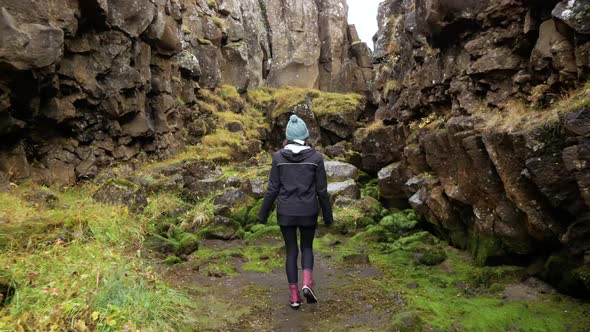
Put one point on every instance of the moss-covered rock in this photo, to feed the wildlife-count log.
(187, 244)
(175, 241)
(172, 260)
(44, 197)
(401, 221)
(222, 228)
(371, 189)
(121, 191)
(583, 274)
(252, 216)
(495, 276)
(431, 256)
(567, 274)
(263, 232)
(484, 247)
(374, 233)
(412, 242)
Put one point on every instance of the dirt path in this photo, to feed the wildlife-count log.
(350, 296)
(239, 286)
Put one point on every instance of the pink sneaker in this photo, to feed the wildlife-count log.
(308, 292)
(294, 299)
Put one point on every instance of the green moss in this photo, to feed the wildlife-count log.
(446, 297)
(218, 21)
(406, 321)
(237, 44)
(212, 4)
(432, 256)
(242, 213)
(322, 103)
(216, 101)
(416, 241)
(172, 260)
(263, 232)
(229, 92)
(259, 98)
(187, 244)
(583, 275)
(400, 222)
(374, 233)
(218, 269)
(371, 189)
(484, 247)
(263, 258)
(336, 103)
(228, 107)
(252, 216)
(204, 41)
(391, 86)
(498, 275)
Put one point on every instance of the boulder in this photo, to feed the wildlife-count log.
(255, 187)
(163, 34)
(391, 183)
(339, 171)
(222, 228)
(131, 16)
(577, 122)
(348, 188)
(231, 197)
(28, 45)
(575, 13)
(379, 147)
(43, 197)
(14, 164)
(553, 47)
(120, 191)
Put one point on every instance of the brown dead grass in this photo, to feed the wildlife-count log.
(518, 116)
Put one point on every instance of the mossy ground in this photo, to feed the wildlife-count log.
(457, 295)
(86, 272)
(101, 276)
(79, 265)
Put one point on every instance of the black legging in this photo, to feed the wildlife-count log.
(290, 236)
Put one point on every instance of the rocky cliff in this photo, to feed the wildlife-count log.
(86, 83)
(479, 131)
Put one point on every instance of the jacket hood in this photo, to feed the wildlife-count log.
(297, 153)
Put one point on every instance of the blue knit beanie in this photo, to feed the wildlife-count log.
(296, 129)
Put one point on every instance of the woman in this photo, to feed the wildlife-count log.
(298, 181)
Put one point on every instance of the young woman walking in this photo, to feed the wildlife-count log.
(298, 182)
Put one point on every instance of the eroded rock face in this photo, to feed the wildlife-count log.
(518, 191)
(86, 83)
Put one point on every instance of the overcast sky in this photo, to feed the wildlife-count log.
(363, 14)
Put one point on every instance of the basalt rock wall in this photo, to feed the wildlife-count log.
(481, 131)
(84, 84)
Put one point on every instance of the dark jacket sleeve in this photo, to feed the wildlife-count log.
(321, 183)
(272, 192)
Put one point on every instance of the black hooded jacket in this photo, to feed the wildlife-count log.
(298, 182)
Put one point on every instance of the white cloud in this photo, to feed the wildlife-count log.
(363, 14)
